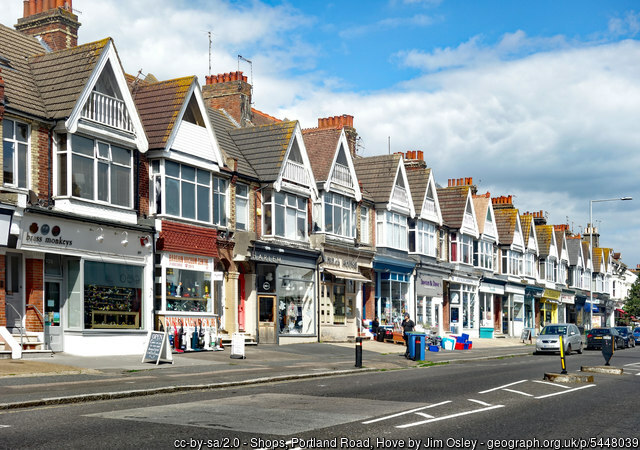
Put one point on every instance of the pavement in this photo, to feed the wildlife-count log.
(64, 378)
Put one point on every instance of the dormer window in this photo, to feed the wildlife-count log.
(105, 104)
(15, 145)
(100, 171)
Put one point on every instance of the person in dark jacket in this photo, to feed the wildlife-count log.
(407, 326)
(375, 325)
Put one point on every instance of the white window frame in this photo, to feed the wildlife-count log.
(513, 261)
(424, 236)
(529, 265)
(341, 204)
(364, 225)
(483, 254)
(196, 183)
(16, 150)
(392, 230)
(242, 206)
(220, 189)
(287, 209)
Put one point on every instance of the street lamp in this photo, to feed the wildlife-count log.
(591, 202)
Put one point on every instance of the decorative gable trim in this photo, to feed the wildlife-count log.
(398, 200)
(469, 221)
(490, 227)
(533, 239)
(342, 146)
(433, 214)
(518, 240)
(305, 186)
(553, 247)
(109, 55)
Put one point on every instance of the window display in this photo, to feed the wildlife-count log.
(394, 292)
(296, 300)
(112, 295)
(188, 290)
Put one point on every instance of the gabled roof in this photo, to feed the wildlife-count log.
(20, 88)
(545, 235)
(574, 247)
(419, 182)
(526, 221)
(322, 145)
(453, 203)
(482, 205)
(560, 242)
(159, 105)
(265, 147)
(506, 222)
(377, 175)
(597, 260)
(586, 255)
(222, 124)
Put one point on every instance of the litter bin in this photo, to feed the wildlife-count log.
(411, 343)
(486, 333)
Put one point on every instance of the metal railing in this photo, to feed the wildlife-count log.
(296, 172)
(107, 110)
(342, 176)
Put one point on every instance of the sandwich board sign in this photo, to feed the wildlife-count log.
(157, 348)
(237, 346)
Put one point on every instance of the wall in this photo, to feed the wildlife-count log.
(34, 293)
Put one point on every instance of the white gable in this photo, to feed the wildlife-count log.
(430, 205)
(400, 198)
(490, 229)
(518, 240)
(117, 112)
(342, 175)
(553, 249)
(295, 172)
(533, 239)
(469, 222)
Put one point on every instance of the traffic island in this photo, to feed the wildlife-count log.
(603, 369)
(568, 378)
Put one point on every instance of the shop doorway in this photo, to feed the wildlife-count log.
(267, 319)
(53, 322)
(14, 299)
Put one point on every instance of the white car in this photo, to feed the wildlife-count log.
(549, 338)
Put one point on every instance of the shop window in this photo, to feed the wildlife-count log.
(188, 290)
(296, 300)
(100, 171)
(242, 207)
(15, 145)
(266, 275)
(339, 312)
(394, 289)
(112, 295)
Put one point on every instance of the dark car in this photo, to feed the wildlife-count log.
(595, 336)
(626, 334)
(636, 335)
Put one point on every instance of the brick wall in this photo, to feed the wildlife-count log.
(143, 186)
(40, 160)
(34, 293)
(57, 27)
(231, 92)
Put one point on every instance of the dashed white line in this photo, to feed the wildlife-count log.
(478, 401)
(565, 392)
(5, 426)
(405, 412)
(518, 392)
(552, 384)
(502, 387)
(436, 419)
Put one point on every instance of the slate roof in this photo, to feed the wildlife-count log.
(453, 201)
(418, 183)
(159, 105)
(377, 175)
(597, 260)
(586, 254)
(545, 238)
(506, 220)
(20, 91)
(264, 147)
(559, 240)
(481, 206)
(322, 145)
(222, 125)
(526, 221)
(573, 247)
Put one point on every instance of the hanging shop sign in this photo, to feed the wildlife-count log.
(428, 285)
(552, 294)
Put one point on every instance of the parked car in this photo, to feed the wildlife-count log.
(626, 334)
(595, 336)
(636, 335)
(549, 338)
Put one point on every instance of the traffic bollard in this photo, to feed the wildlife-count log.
(562, 361)
(359, 352)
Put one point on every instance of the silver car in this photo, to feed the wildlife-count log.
(549, 338)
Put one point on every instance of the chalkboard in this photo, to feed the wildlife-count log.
(157, 348)
(526, 334)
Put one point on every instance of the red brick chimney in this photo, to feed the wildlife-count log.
(414, 159)
(503, 202)
(52, 20)
(345, 122)
(231, 92)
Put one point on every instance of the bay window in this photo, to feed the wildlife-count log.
(461, 248)
(391, 230)
(483, 254)
(529, 264)
(187, 192)
(285, 215)
(100, 172)
(339, 215)
(15, 144)
(422, 238)
(512, 262)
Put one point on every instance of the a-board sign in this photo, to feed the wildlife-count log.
(157, 348)
(526, 334)
(237, 346)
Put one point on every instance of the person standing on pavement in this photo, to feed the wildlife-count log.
(407, 326)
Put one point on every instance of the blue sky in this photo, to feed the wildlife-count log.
(539, 100)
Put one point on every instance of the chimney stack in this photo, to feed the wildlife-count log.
(231, 92)
(414, 159)
(52, 20)
(344, 122)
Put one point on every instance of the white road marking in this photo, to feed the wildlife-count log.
(502, 387)
(428, 416)
(405, 412)
(436, 419)
(564, 392)
(5, 426)
(518, 392)
(478, 401)
(552, 384)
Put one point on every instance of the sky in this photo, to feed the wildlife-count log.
(538, 100)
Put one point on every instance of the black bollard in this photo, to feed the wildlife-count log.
(358, 352)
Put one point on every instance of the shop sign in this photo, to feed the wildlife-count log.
(350, 265)
(218, 276)
(551, 294)
(176, 261)
(518, 298)
(514, 289)
(566, 298)
(428, 285)
(463, 280)
(492, 288)
(265, 257)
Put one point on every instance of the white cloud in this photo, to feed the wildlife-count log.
(390, 23)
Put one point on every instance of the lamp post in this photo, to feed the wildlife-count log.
(591, 202)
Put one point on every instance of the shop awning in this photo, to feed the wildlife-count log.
(348, 275)
(621, 311)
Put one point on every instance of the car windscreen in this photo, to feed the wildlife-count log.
(554, 330)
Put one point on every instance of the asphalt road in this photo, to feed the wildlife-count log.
(488, 404)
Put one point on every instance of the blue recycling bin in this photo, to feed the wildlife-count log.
(421, 338)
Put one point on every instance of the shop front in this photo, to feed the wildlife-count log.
(88, 286)
(582, 313)
(463, 306)
(490, 294)
(513, 310)
(393, 290)
(532, 296)
(341, 295)
(568, 302)
(286, 280)
(429, 300)
(550, 308)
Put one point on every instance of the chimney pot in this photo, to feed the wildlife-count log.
(59, 3)
(420, 155)
(25, 8)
